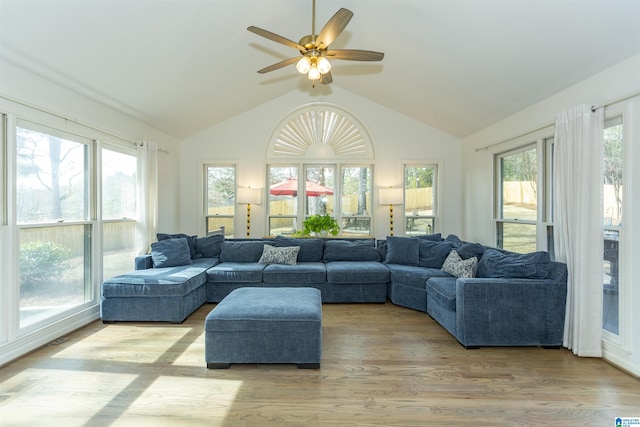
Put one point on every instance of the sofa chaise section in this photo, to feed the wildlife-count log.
(168, 294)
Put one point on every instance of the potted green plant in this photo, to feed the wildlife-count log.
(321, 225)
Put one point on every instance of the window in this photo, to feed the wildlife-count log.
(52, 211)
(3, 171)
(320, 190)
(420, 199)
(220, 201)
(283, 200)
(356, 200)
(518, 201)
(612, 192)
(287, 211)
(118, 210)
(523, 202)
(68, 220)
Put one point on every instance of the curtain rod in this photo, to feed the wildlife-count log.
(617, 101)
(593, 108)
(60, 116)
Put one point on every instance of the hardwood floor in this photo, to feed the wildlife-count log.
(381, 365)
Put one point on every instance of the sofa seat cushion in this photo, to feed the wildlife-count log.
(159, 282)
(443, 290)
(302, 273)
(231, 272)
(413, 276)
(357, 272)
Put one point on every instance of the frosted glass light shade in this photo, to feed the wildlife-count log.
(324, 66)
(303, 65)
(314, 73)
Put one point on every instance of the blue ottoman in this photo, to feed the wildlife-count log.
(265, 325)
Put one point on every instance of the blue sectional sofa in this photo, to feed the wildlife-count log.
(483, 296)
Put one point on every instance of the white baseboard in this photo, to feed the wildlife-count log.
(27, 343)
(619, 358)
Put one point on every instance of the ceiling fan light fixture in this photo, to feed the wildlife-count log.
(303, 65)
(314, 48)
(324, 66)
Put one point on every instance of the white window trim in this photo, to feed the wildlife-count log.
(437, 201)
(619, 346)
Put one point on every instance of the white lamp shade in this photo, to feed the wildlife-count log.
(249, 196)
(391, 196)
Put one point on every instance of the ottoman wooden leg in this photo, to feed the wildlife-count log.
(218, 365)
(308, 366)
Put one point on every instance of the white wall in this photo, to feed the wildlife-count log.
(244, 139)
(30, 88)
(612, 84)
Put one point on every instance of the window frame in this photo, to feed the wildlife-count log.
(343, 218)
(544, 181)
(300, 215)
(4, 170)
(231, 218)
(622, 340)
(296, 223)
(102, 237)
(89, 224)
(435, 197)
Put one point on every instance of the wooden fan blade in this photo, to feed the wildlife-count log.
(354, 55)
(326, 78)
(333, 28)
(278, 65)
(276, 38)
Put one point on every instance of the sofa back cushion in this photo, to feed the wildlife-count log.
(470, 250)
(191, 240)
(403, 251)
(437, 237)
(310, 249)
(496, 264)
(243, 251)
(432, 254)
(170, 253)
(209, 246)
(344, 250)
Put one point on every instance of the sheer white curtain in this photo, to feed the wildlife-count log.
(147, 196)
(578, 236)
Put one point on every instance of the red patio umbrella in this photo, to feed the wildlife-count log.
(290, 188)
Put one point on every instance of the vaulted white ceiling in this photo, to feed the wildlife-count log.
(182, 66)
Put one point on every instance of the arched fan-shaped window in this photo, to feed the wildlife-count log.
(320, 131)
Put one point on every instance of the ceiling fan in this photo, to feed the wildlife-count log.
(315, 48)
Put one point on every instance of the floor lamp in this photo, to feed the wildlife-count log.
(248, 196)
(391, 196)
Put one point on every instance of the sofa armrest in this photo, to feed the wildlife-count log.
(510, 312)
(143, 262)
